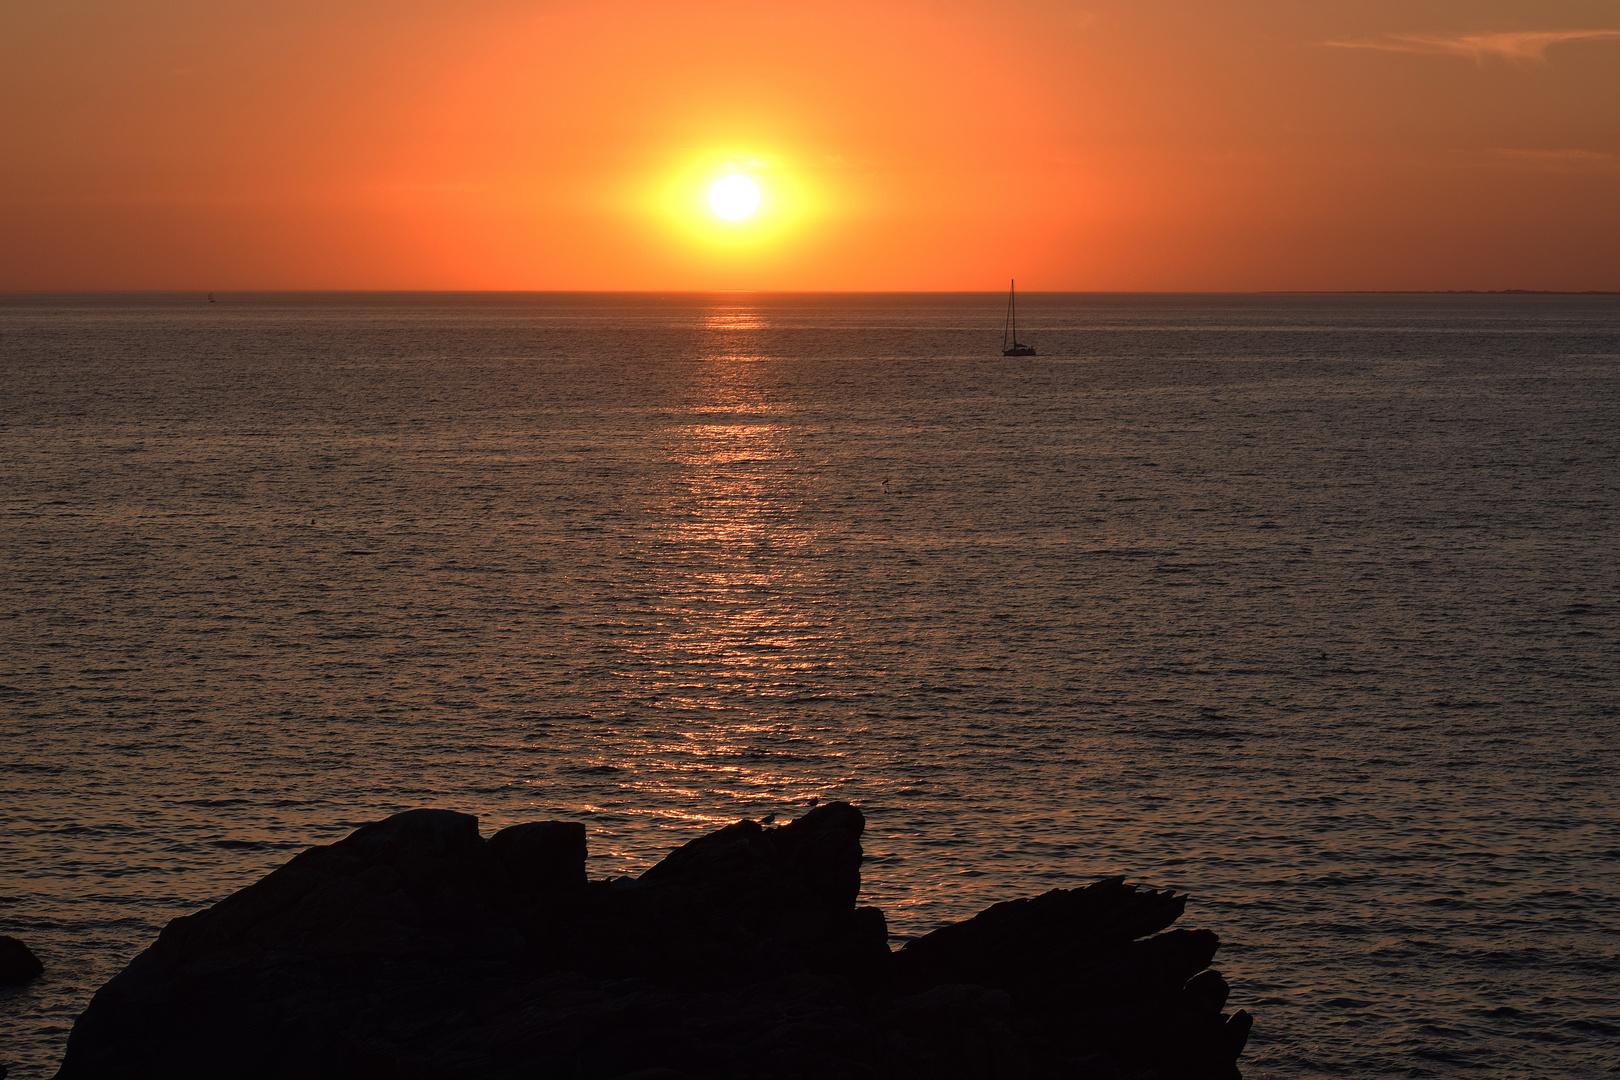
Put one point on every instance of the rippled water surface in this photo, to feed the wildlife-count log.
(1304, 605)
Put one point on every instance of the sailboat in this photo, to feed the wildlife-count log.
(1009, 332)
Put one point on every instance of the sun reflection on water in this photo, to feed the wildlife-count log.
(734, 334)
(734, 587)
(722, 320)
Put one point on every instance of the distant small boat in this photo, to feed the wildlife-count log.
(210, 298)
(1009, 332)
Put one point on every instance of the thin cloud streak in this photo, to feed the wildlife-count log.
(1554, 161)
(1519, 46)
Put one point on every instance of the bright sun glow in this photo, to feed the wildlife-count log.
(734, 197)
(730, 203)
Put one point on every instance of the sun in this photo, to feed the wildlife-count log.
(733, 203)
(734, 197)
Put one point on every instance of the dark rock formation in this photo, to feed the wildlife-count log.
(18, 964)
(413, 948)
(543, 858)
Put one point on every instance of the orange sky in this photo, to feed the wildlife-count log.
(498, 144)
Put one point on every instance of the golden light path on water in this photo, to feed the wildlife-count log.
(735, 574)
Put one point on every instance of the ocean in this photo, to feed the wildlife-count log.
(1306, 605)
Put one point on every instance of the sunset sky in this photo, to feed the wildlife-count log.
(1092, 145)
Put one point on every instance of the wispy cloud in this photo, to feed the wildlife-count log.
(1560, 161)
(1519, 46)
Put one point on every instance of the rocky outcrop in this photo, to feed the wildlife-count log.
(18, 964)
(414, 948)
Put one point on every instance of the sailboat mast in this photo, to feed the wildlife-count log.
(1006, 323)
(1012, 306)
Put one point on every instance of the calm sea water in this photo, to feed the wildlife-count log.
(1305, 605)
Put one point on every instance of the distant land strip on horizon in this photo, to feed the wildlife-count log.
(1469, 292)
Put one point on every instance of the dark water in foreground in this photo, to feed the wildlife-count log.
(1305, 605)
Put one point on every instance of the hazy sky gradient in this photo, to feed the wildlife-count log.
(1150, 144)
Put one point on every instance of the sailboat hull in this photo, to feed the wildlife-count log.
(1019, 350)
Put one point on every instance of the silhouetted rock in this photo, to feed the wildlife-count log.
(413, 948)
(18, 964)
(543, 857)
(1081, 968)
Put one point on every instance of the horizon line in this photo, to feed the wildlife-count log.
(801, 292)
